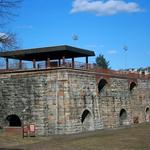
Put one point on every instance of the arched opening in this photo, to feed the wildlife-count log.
(101, 85)
(123, 117)
(84, 115)
(132, 86)
(87, 120)
(13, 121)
(147, 114)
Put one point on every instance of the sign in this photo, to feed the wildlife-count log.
(28, 130)
(32, 129)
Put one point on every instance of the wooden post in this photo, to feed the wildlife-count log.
(34, 63)
(73, 62)
(7, 64)
(59, 63)
(63, 63)
(48, 63)
(20, 64)
(87, 62)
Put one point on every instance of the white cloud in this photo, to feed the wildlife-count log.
(95, 46)
(25, 27)
(111, 52)
(3, 36)
(101, 7)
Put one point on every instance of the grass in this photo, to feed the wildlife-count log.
(136, 137)
(14, 139)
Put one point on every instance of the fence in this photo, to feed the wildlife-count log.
(68, 64)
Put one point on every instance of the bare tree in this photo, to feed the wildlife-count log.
(8, 41)
(7, 12)
(7, 8)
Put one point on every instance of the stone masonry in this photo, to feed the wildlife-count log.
(64, 101)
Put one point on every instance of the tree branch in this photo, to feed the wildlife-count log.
(8, 41)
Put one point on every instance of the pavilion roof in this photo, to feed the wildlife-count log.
(54, 52)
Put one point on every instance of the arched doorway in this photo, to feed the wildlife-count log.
(13, 121)
(102, 83)
(123, 117)
(87, 120)
(132, 86)
(147, 112)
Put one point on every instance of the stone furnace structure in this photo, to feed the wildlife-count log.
(60, 96)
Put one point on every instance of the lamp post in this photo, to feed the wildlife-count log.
(125, 55)
(75, 37)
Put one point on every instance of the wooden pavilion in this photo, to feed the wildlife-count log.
(47, 54)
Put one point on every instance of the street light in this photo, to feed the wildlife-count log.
(75, 37)
(125, 55)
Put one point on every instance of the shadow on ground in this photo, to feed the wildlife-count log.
(11, 149)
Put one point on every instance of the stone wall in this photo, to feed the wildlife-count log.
(67, 101)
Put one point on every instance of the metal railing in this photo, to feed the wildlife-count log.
(127, 74)
(76, 65)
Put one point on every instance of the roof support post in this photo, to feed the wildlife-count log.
(59, 63)
(34, 63)
(87, 62)
(7, 64)
(63, 59)
(73, 62)
(48, 63)
(20, 64)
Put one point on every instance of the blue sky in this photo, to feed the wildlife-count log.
(105, 26)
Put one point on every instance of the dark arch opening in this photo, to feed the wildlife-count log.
(132, 86)
(147, 114)
(101, 84)
(123, 116)
(147, 110)
(84, 115)
(14, 121)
